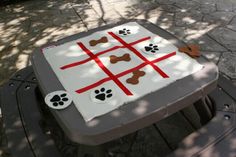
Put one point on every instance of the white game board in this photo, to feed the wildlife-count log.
(110, 89)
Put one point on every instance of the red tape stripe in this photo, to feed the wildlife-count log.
(140, 40)
(162, 73)
(144, 64)
(124, 73)
(93, 85)
(100, 53)
(101, 65)
(75, 64)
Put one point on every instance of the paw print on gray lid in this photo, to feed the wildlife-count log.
(58, 99)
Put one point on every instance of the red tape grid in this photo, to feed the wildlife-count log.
(128, 46)
(100, 53)
(125, 72)
(102, 66)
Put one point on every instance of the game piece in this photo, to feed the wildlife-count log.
(191, 50)
(135, 78)
(101, 40)
(124, 32)
(151, 49)
(58, 99)
(114, 59)
(101, 95)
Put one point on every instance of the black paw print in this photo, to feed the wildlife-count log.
(124, 31)
(59, 100)
(102, 94)
(151, 48)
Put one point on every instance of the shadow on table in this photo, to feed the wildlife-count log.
(30, 24)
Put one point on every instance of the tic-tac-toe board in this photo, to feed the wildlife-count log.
(131, 68)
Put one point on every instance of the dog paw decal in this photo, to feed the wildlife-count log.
(124, 32)
(58, 100)
(101, 95)
(151, 49)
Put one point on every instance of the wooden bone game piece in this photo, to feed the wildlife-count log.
(101, 40)
(191, 50)
(135, 78)
(114, 59)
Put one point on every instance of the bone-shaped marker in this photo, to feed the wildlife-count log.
(135, 78)
(114, 59)
(101, 40)
(192, 50)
